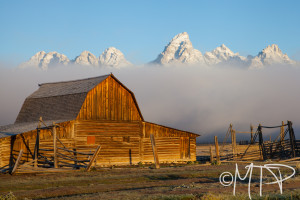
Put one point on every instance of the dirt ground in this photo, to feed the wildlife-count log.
(189, 181)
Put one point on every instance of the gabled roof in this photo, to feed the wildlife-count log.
(67, 87)
(61, 100)
(56, 101)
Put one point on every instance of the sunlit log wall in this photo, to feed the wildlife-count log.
(122, 143)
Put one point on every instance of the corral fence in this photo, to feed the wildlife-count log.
(285, 146)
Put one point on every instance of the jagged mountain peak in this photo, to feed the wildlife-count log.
(43, 60)
(272, 54)
(179, 38)
(223, 54)
(113, 57)
(86, 58)
(273, 48)
(225, 50)
(179, 50)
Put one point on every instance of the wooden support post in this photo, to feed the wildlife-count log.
(217, 149)
(143, 135)
(37, 143)
(282, 132)
(54, 146)
(233, 143)
(75, 159)
(261, 142)
(154, 149)
(211, 155)
(235, 149)
(251, 130)
(292, 139)
(17, 162)
(88, 168)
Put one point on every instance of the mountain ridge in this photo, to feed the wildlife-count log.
(111, 57)
(179, 51)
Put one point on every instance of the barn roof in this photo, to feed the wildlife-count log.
(15, 129)
(56, 101)
(67, 87)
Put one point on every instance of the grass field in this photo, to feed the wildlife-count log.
(172, 181)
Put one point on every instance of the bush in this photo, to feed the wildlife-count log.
(140, 164)
(215, 162)
(9, 196)
(190, 162)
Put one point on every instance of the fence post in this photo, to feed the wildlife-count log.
(233, 142)
(211, 155)
(292, 138)
(261, 142)
(251, 130)
(282, 132)
(37, 143)
(54, 146)
(217, 149)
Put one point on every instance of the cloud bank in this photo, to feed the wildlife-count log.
(200, 99)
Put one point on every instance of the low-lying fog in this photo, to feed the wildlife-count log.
(203, 100)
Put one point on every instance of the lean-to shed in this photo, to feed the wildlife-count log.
(91, 112)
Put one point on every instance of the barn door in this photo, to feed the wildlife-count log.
(184, 147)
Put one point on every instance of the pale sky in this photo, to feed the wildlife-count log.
(141, 29)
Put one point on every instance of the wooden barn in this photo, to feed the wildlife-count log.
(66, 121)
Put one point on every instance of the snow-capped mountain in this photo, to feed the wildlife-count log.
(86, 58)
(223, 54)
(43, 60)
(110, 57)
(269, 56)
(179, 50)
(113, 57)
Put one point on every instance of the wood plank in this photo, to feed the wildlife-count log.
(217, 149)
(93, 158)
(155, 153)
(54, 146)
(17, 162)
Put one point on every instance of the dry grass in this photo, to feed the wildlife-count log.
(192, 181)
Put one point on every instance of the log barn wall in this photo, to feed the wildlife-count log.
(124, 143)
(119, 140)
(172, 145)
(110, 100)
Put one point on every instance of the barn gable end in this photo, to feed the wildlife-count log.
(110, 100)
